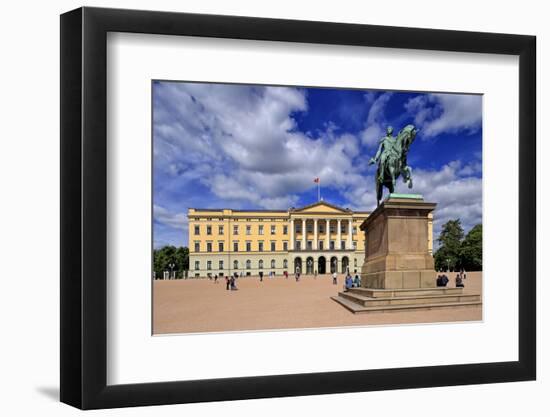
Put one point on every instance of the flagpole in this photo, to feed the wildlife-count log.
(319, 190)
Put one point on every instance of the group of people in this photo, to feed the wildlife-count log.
(442, 279)
(270, 275)
(350, 282)
(355, 282)
(231, 282)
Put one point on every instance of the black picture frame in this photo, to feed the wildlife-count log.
(84, 207)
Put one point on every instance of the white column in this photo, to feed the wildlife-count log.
(315, 234)
(338, 244)
(304, 242)
(327, 235)
(349, 244)
(291, 234)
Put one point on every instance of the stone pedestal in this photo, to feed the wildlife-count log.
(397, 255)
(398, 273)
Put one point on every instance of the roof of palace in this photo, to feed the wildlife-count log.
(308, 207)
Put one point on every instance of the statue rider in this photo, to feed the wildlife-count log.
(385, 148)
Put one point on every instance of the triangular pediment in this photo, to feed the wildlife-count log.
(320, 207)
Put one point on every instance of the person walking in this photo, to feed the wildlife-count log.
(261, 276)
(334, 278)
(226, 282)
(216, 279)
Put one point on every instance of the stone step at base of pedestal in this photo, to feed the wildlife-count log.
(406, 300)
(405, 292)
(358, 308)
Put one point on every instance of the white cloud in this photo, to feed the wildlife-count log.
(166, 217)
(446, 113)
(457, 197)
(374, 126)
(242, 143)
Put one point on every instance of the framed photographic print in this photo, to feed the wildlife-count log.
(353, 202)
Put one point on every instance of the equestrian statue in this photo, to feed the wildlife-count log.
(391, 158)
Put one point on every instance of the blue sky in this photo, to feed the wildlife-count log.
(250, 146)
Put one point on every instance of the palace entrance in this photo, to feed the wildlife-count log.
(309, 266)
(298, 265)
(345, 264)
(322, 265)
(333, 264)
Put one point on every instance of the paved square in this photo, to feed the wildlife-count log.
(200, 305)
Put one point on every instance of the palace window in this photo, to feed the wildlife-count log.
(285, 230)
(208, 246)
(343, 244)
(273, 229)
(272, 246)
(197, 246)
(221, 264)
(309, 228)
(208, 230)
(220, 230)
(273, 263)
(355, 262)
(354, 230)
(197, 230)
(248, 246)
(236, 229)
(248, 229)
(260, 229)
(235, 264)
(235, 246)
(285, 264)
(209, 219)
(332, 245)
(285, 245)
(354, 244)
(332, 228)
(321, 244)
(220, 246)
(298, 244)
(309, 245)
(343, 227)
(260, 246)
(321, 228)
(208, 265)
(248, 264)
(197, 265)
(261, 264)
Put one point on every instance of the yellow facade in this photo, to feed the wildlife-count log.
(225, 241)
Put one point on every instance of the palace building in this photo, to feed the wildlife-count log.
(320, 238)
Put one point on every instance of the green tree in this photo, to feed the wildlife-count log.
(182, 260)
(471, 249)
(450, 240)
(163, 257)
